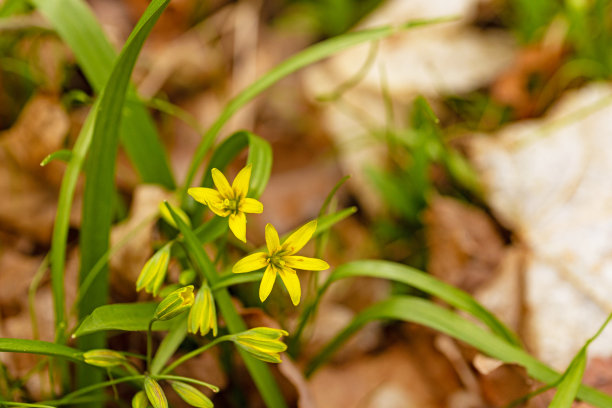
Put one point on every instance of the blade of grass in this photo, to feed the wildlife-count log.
(77, 26)
(170, 344)
(300, 60)
(572, 378)
(40, 347)
(426, 313)
(260, 373)
(99, 185)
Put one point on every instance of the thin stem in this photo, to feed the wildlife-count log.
(68, 398)
(149, 343)
(187, 380)
(194, 353)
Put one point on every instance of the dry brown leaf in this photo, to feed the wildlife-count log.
(464, 244)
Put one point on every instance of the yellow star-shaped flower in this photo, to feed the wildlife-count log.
(281, 260)
(231, 200)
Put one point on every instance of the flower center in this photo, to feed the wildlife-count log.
(231, 205)
(276, 261)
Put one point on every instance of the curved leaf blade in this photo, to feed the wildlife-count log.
(426, 283)
(121, 316)
(40, 347)
(77, 26)
(428, 314)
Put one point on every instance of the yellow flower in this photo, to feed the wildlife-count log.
(231, 200)
(281, 259)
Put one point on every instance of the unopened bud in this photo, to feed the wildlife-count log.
(191, 395)
(156, 395)
(140, 400)
(262, 342)
(154, 272)
(174, 304)
(165, 214)
(203, 315)
(104, 358)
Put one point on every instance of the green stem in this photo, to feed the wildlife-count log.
(194, 353)
(187, 380)
(149, 343)
(68, 398)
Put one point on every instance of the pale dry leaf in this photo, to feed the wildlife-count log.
(547, 180)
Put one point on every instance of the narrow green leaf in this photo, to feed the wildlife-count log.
(570, 382)
(77, 26)
(426, 283)
(428, 314)
(40, 347)
(568, 388)
(300, 60)
(170, 344)
(99, 185)
(259, 371)
(63, 155)
(121, 316)
(62, 222)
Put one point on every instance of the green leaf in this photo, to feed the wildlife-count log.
(300, 60)
(62, 222)
(426, 283)
(170, 344)
(121, 316)
(63, 155)
(100, 181)
(78, 27)
(568, 388)
(40, 347)
(428, 314)
(259, 372)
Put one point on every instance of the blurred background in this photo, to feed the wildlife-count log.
(478, 148)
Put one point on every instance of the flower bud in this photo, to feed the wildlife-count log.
(187, 277)
(154, 272)
(165, 214)
(140, 400)
(174, 304)
(156, 395)
(262, 342)
(104, 358)
(191, 395)
(203, 315)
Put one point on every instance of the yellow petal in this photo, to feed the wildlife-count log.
(222, 184)
(250, 263)
(220, 209)
(237, 223)
(240, 185)
(299, 238)
(272, 240)
(250, 205)
(205, 195)
(267, 283)
(292, 283)
(304, 263)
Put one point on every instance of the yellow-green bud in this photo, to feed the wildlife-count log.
(154, 272)
(104, 358)
(191, 395)
(156, 395)
(165, 214)
(174, 304)
(262, 342)
(140, 400)
(186, 277)
(203, 315)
